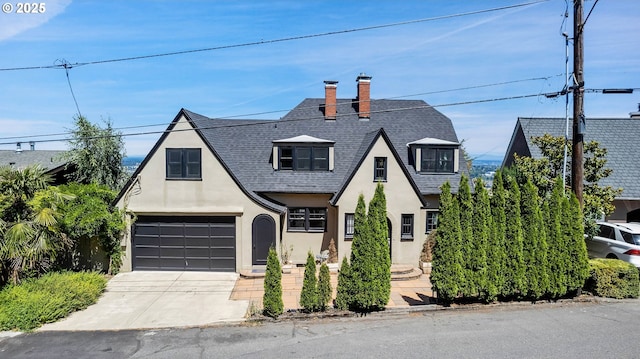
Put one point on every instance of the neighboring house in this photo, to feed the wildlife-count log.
(215, 194)
(48, 159)
(618, 135)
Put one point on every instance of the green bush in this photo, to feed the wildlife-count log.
(309, 294)
(344, 290)
(272, 298)
(34, 302)
(324, 287)
(613, 278)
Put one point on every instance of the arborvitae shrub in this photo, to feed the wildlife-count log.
(333, 252)
(446, 273)
(344, 291)
(578, 266)
(468, 286)
(481, 235)
(381, 262)
(324, 287)
(309, 293)
(496, 256)
(535, 243)
(556, 241)
(363, 265)
(513, 270)
(272, 298)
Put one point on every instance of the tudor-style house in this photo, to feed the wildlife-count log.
(215, 194)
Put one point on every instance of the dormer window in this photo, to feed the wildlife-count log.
(432, 155)
(303, 153)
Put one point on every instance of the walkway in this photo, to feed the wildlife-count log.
(404, 293)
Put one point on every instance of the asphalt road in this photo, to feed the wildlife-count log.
(565, 330)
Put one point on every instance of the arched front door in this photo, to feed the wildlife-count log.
(263, 233)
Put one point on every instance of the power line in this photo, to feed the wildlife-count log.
(310, 107)
(273, 41)
(516, 97)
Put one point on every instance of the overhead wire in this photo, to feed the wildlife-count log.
(273, 41)
(286, 110)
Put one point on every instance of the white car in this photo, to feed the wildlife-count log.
(616, 240)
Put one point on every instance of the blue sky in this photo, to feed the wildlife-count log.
(415, 59)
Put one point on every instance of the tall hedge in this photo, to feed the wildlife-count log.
(324, 287)
(534, 242)
(514, 273)
(344, 290)
(272, 298)
(469, 285)
(496, 256)
(578, 264)
(377, 218)
(446, 273)
(482, 222)
(556, 254)
(309, 293)
(363, 266)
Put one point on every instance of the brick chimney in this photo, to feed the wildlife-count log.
(330, 100)
(364, 96)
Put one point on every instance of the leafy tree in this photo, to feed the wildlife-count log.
(543, 172)
(496, 256)
(514, 272)
(377, 218)
(446, 273)
(557, 254)
(96, 154)
(469, 285)
(534, 242)
(324, 287)
(344, 290)
(309, 294)
(482, 223)
(91, 215)
(272, 298)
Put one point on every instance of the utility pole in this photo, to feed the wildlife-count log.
(577, 165)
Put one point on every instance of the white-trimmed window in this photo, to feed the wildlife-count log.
(349, 225)
(380, 169)
(437, 159)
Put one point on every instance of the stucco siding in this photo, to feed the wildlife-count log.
(216, 194)
(401, 199)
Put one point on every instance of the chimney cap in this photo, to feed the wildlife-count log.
(363, 77)
(330, 82)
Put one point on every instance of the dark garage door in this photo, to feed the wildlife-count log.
(184, 243)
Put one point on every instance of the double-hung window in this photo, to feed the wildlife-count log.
(435, 159)
(406, 229)
(349, 225)
(307, 219)
(432, 221)
(184, 163)
(304, 158)
(380, 169)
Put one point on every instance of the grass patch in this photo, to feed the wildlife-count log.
(34, 302)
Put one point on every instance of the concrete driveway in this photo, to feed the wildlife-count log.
(142, 300)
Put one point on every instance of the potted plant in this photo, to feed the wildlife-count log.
(286, 259)
(425, 254)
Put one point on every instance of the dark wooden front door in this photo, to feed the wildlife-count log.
(263, 233)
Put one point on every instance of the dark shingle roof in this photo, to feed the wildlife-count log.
(46, 158)
(620, 136)
(246, 145)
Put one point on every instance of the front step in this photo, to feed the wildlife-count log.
(404, 272)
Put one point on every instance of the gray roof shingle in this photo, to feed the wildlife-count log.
(48, 159)
(246, 145)
(620, 136)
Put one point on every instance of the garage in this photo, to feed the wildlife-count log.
(193, 243)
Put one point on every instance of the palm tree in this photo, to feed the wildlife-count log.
(31, 237)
